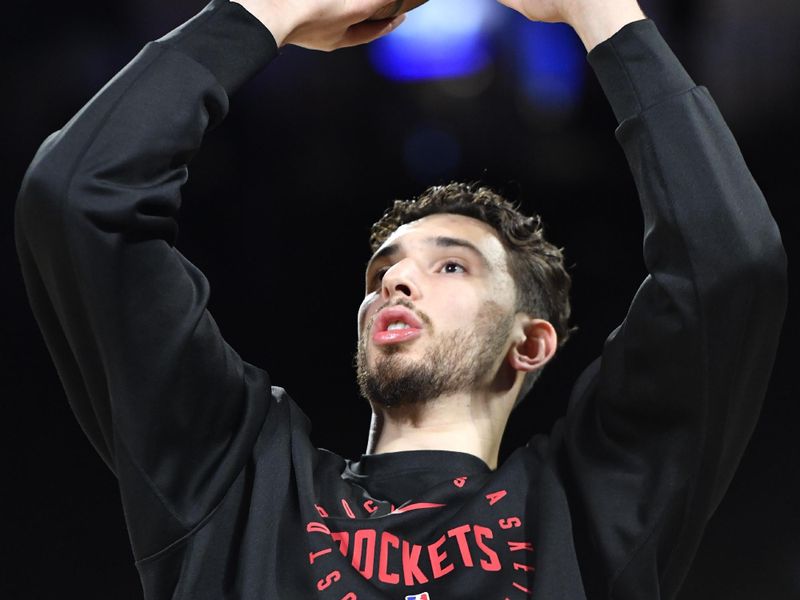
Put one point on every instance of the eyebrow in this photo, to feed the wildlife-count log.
(438, 241)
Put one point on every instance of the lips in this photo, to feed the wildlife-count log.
(395, 325)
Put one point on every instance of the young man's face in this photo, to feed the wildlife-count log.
(438, 311)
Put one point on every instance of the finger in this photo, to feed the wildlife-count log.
(370, 7)
(368, 31)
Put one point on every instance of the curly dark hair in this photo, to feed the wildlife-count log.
(536, 265)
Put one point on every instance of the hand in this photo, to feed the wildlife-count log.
(548, 11)
(321, 24)
(593, 20)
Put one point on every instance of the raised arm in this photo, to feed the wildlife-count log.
(169, 406)
(657, 426)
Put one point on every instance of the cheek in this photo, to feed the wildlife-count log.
(467, 307)
(456, 311)
(365, 311)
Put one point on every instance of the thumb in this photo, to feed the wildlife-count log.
(368, 31)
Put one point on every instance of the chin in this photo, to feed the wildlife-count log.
(406, 349)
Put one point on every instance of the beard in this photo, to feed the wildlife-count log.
(455, 362)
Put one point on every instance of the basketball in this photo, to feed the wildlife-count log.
(397, 7)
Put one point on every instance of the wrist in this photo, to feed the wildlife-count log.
(272, 19)
(596, 22)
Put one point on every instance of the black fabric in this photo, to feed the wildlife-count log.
(224, 495)
(402, 476)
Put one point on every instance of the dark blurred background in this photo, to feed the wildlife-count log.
(277, 210)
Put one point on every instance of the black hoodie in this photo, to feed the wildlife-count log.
(224, 495)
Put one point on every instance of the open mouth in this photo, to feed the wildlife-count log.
(395, 325)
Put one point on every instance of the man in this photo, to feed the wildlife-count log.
(223, 493)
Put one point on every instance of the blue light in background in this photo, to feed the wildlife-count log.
(448, 39)
(441, 39)
(552, 62)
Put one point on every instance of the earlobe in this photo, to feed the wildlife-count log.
(537, 348)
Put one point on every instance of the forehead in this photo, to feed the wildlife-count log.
(482, 235)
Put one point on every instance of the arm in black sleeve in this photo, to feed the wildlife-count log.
(165, 401)
(657, 426)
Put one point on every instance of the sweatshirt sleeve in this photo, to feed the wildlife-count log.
(169, 406)
(658, 424)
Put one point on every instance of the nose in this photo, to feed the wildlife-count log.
(400, 280)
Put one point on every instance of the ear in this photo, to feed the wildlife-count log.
(535, 345)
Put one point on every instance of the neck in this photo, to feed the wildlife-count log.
(469, 422)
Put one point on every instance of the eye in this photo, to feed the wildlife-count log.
(453, 267)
